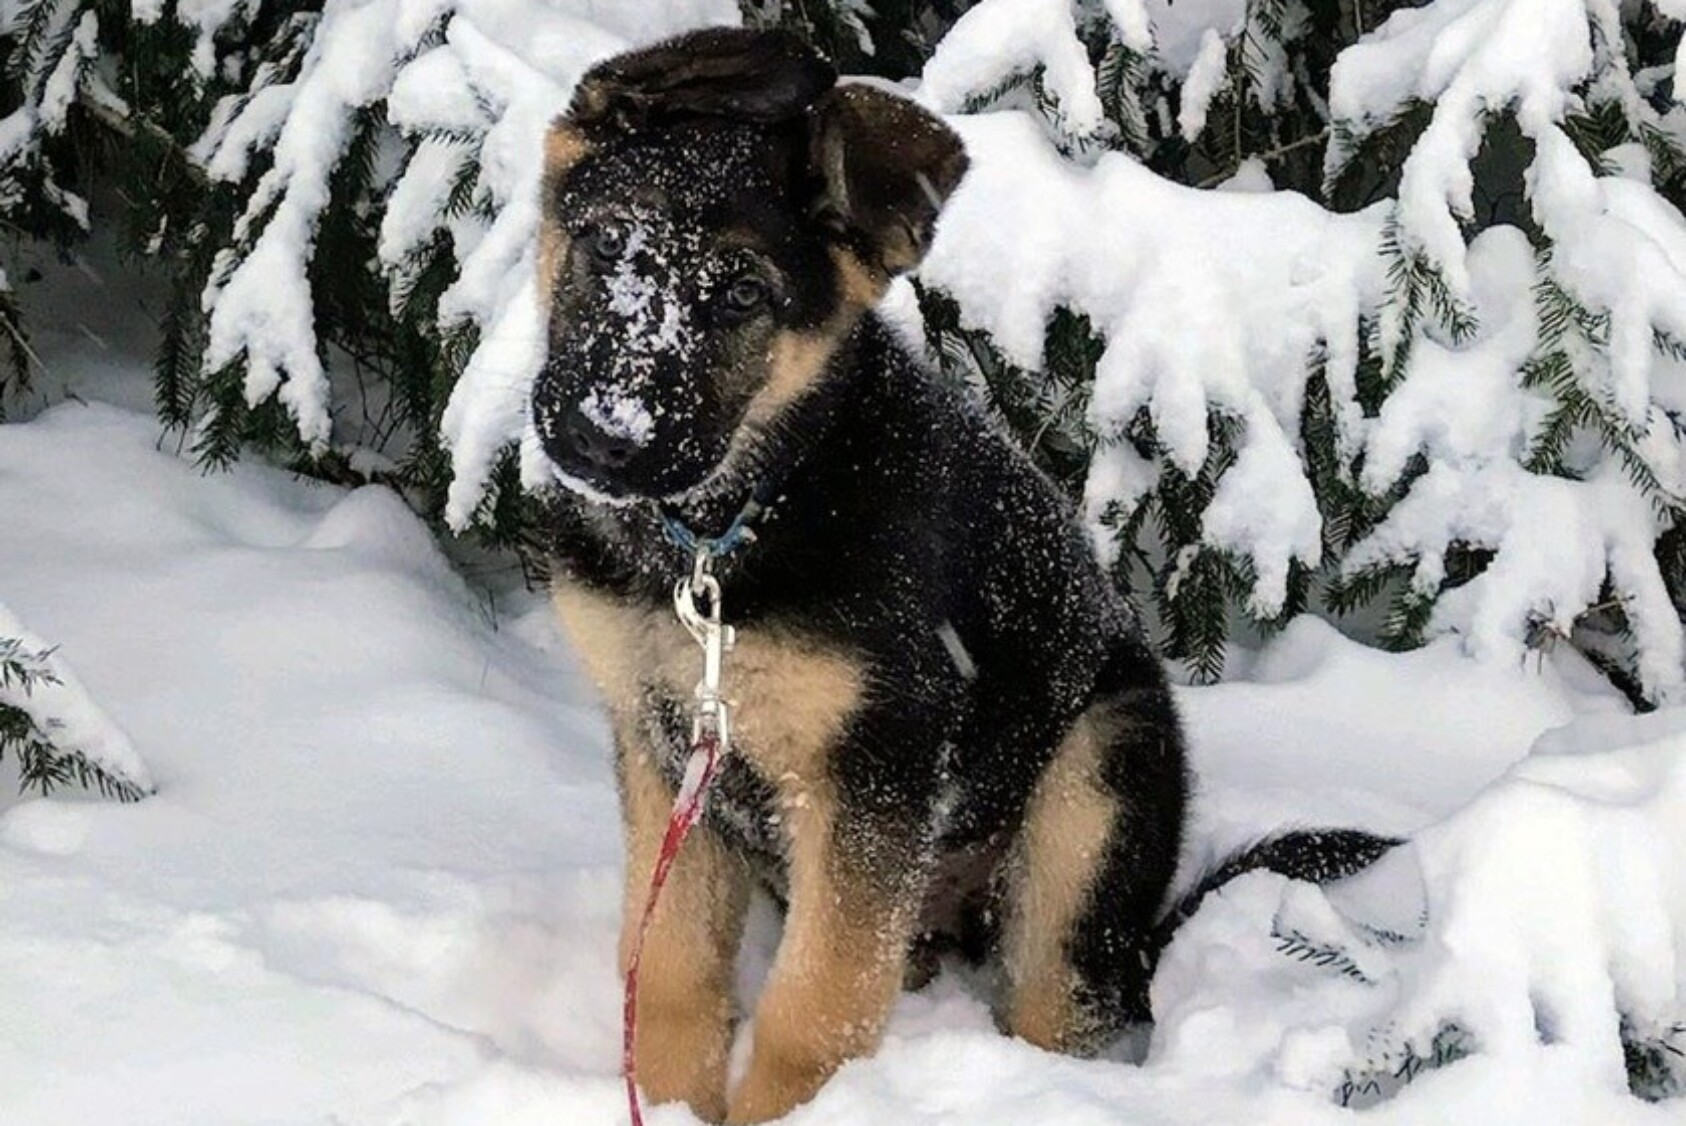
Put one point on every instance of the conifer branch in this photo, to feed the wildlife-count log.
(1269, 155)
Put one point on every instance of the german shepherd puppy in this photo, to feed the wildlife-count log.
(948, 729)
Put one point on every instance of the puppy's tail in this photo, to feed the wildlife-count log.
(1317, 856)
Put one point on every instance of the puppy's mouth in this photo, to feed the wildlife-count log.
(724, 479)
(587, 489)
(739, 464)
(658, 474)
(611, 457)
(593, 451)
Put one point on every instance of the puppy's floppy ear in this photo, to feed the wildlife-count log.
(734, 72)
(887, 167)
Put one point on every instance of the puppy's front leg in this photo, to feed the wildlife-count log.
(685, 975)
(839, 967)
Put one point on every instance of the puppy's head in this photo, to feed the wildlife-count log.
(717, 213)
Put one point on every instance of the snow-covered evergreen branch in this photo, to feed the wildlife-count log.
(1424, 343)
(1468, 427)
(52, 730)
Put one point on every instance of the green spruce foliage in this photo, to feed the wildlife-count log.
(36, 746)
(126, 105)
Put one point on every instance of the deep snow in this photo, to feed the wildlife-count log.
(379, 881)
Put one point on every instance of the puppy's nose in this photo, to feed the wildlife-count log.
(594, 445)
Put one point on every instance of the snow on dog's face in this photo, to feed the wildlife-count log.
(716, 217)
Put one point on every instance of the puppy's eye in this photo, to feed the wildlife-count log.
(746, 294)
(604, 245)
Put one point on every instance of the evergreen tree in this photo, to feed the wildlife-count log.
(344, 198)
(1330, 101)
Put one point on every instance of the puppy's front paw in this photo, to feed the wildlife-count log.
(774, 1086)
(682, 1058)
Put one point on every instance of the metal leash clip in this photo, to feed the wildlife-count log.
(716, 638)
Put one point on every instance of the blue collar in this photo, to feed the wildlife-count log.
(739, 532)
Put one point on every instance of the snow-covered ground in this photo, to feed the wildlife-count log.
(379, 882)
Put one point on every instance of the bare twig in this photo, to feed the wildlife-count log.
(134, 127)
(1270, 154)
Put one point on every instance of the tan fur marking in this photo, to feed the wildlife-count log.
(790, 697)
(553, 248)
(685, 974)
(564, 145)
(861, 286)
(605, 636)
(796, 359)
(790, 701)
(839, 968)
(1068, 825)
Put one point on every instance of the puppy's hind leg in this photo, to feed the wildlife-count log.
(1095, 855)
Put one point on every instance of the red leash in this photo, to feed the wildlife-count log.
(687, 808)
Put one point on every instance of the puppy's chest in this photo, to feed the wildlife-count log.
(791, 698)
